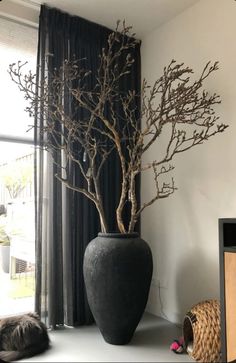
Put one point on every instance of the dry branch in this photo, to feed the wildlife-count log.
(173, 105)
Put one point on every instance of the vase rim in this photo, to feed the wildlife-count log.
(118, 235)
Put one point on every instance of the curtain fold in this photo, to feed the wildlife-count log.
(65, 220)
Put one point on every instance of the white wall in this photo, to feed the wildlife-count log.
(183, 229)
(21, 11)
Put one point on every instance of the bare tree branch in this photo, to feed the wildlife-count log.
(174, 107)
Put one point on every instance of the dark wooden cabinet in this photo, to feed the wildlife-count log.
(227, 240)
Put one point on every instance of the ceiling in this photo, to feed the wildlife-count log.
(143, 15)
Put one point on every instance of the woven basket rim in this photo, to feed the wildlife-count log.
(187, 318)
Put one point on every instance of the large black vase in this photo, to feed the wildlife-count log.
(117, 274)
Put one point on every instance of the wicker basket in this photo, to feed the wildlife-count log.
(201, 331)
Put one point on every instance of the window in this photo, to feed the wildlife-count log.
(17, 258)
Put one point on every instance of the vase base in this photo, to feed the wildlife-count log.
(118, 340)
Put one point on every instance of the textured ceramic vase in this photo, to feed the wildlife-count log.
(117, 273)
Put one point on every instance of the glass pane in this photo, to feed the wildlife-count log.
(17, 42)
(17, 236)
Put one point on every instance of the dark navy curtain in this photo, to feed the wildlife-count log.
(65, 220)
